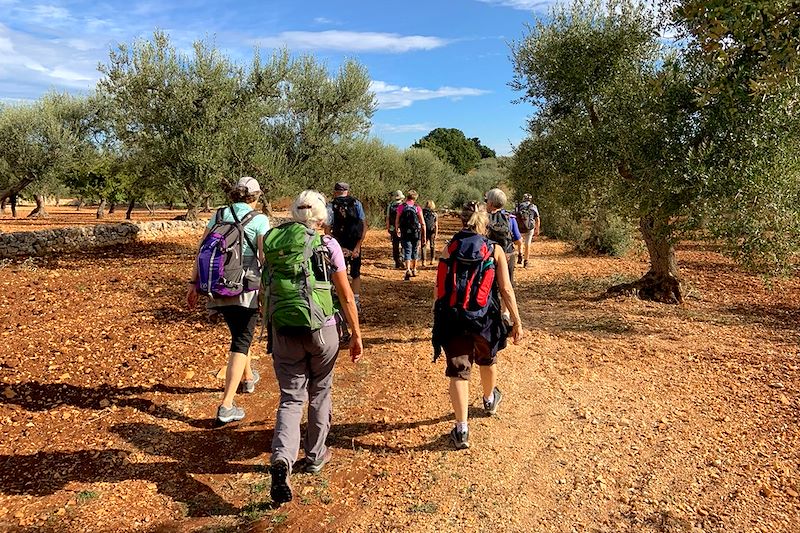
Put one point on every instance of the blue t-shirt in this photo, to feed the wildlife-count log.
(255, 229)
(512, 223)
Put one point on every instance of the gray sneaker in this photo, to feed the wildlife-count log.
(315, 467)
(280, 489)
(249, 385)
(225, 415)
(460, 438)
(491, 406)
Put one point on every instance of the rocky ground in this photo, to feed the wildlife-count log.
(619, 415)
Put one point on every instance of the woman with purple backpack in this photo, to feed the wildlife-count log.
(240, 311)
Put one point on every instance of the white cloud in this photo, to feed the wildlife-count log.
(43, 12)
(401, 128)
(350, 41)
(526, 5)
(324, 20)
(397, 97)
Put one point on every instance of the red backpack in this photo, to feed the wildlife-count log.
(465, 282)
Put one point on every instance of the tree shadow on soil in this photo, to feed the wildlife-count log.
(36, 396)
(136, 250)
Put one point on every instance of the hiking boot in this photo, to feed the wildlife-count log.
(460, 438)
(525, 264)
(315, 467)
(249, 385)
(280, 490)
(491, 406)
(234, 413)
(519, 259)
(408, 276)
(414, 273)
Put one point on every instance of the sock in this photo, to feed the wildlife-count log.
(461, 427)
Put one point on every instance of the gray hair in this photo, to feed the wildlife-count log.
(309, 208)
(496, 198)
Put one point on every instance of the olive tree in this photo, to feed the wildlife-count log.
(624, 129)
(39, 142)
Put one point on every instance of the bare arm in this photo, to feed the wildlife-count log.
(348, 301)
(536, 226)
(422, 225)
(507, 292)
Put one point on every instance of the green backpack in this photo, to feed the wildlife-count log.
(296, 280)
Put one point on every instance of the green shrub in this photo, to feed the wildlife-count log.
(611, 235)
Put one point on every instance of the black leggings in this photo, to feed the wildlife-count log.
(242, 324)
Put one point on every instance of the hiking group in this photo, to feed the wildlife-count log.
(296, 274)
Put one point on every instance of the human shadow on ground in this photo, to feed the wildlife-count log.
(188, 452)
(36, 396)
(182, 458)
(347, 435)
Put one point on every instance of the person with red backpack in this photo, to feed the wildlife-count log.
(410, 228)
(228, 271)
(471, 281)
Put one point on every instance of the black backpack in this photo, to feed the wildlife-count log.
(410, 227)
(499, 230)
(346, 226)
(526, 215)
(429, 215)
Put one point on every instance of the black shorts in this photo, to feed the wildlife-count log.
(354, 263)
(242, 324)
(464, 350)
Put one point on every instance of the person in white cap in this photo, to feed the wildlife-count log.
(240, 312)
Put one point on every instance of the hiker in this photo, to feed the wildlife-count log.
(503, 228)
(431, 229)
(304, 342)
(391, 210)
(410, 229)
(240, 311)
(348, 226)
(527, 216)
(471, 280)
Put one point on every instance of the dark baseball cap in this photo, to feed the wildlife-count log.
(341, 186)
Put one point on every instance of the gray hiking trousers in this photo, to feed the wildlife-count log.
(304, 368)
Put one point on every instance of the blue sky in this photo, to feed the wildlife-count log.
(435, 63)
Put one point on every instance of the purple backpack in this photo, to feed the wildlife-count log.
(220, 262)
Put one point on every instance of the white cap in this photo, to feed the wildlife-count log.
(250, 184)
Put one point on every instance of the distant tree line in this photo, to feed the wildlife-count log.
(176, 128)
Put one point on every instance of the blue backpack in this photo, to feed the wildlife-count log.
(220, 261)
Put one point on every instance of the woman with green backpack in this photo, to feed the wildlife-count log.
(302, 268)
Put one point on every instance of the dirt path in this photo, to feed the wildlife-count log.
(618, 415)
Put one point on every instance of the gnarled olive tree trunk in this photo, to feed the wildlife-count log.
(662, 283)
(39, 211)
(131, 205)
(101, 209)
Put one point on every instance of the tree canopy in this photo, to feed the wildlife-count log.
(625, 125)
(452, 146)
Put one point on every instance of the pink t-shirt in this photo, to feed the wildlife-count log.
(337, 261)
(409, 202)
(337, 257)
